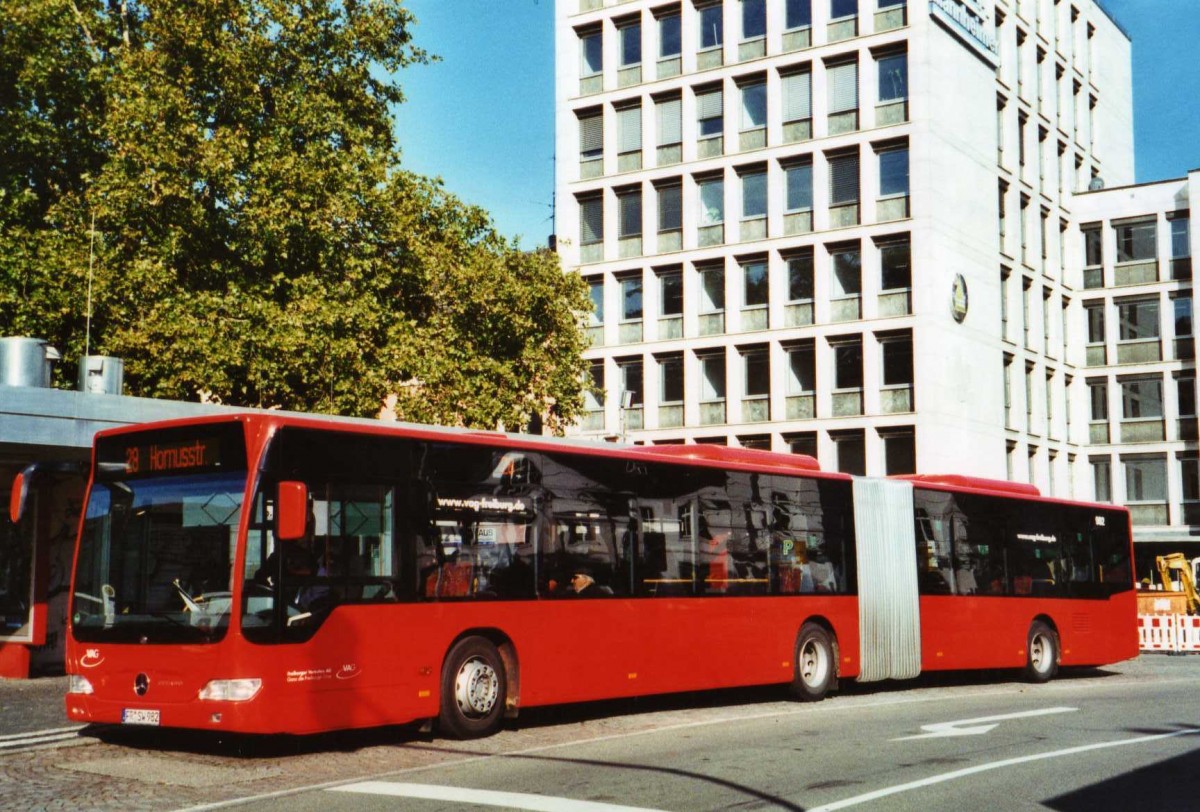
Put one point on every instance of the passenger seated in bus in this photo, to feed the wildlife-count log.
(298, 564)
(583, 584)
(451, 578)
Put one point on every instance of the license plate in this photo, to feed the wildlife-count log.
(139, 716)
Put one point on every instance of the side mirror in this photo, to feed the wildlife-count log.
(20, 495)
(291, 511)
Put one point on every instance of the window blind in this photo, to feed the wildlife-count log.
(629, 207)
(843, 87)
(629, 129)
(670, 128)
(710, 104)
(670, 208)
(591, 136)
(843, 180)
(797, 96)
(591, 220)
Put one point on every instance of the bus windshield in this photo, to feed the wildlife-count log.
(155, 558)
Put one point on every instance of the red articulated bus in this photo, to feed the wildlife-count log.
(272, 573)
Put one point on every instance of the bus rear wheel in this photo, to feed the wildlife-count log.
(473, 690)
(816, 663)
(1041, 662)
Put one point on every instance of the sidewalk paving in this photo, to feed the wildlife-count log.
(27, 705)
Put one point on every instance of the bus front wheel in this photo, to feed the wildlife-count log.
(816, 662)
(1042, 658)
(473, 690)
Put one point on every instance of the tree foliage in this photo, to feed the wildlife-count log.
(228, 171)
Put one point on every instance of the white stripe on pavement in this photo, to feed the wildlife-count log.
(47, 732)
(995, 765)
(480, 797)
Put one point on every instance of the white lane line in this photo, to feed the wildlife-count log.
(480, 797)
(48, 732)
(995, 765)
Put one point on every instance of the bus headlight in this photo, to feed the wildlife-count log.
(78, 684)
(231, 690)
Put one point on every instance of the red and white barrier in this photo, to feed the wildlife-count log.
(1174, 633)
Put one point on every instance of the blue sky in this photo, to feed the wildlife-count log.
(483, 117)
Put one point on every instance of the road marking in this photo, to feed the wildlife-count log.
(978, 726)
(480, 797)
(14, 741)
(730, 716)
(995, 765)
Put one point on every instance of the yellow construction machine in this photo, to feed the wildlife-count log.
(1179, 564)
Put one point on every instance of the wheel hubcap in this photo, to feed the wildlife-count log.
(1038, 652)
(812, 664)
(476, 688)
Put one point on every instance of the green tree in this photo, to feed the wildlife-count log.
(227, 169)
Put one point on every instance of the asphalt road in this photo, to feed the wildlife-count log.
(1124, 737)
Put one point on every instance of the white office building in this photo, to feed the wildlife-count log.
(859, 229)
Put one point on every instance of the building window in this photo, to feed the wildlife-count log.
(591, 220)
(710, 113)
(670, 122)
(847, 364)
(1180, 246)
(591, 136)
(593, 393)
(1098, 398)
(629, 130)
(899, 452)
(843, 180)
(842, 81)
(754, 195)
(893, 77)
(596, 294)
(670, 293)
(670, 370)
(797, 14)
(800, 276)
(712, 290)
(897, 355)
(895, 264)
(670, 207)
(1102, 478)
(851, 450)
(711, 26)
(1093, 256)
(754, 19)
(1137, 242)
(632, 381)
(797, 97)
(592, 53)
(893, 171)
(842, 8)
(631, 298)
(712, 201)
(799, 189)
(1141, 398)
(1189, 477)
(1183, 316)
(629, 207)
(669, 41)
(847, 270)
(1145, 479)
(802, 370)
(754, 106)
(1138, 320)
(758, 373)
(712, 377)
(1095, 322)
(631, 43)
(1185, 395)
(754, 287)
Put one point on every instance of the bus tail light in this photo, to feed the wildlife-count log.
(231, 690)
(78, 684)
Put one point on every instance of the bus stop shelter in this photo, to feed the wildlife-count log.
(44, 425)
